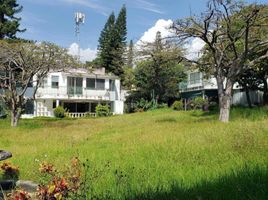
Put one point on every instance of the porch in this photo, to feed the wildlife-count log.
(76, 109)
(82, 109)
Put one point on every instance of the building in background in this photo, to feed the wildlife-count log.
(197, 84)
(77, 90)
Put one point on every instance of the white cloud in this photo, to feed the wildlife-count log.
(193, 48)
(85, 54)
(162, 26)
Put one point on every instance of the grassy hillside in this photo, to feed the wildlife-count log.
(161, 154)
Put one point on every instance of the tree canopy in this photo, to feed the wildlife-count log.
(157, 77)
(112, 43)
(9, 24)
(24, 64)
(228, 29)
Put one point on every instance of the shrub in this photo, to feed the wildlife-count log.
(177, 105)
(199, 103)
(59, 112)
(102, 110)
(144, 105)
(9, 171)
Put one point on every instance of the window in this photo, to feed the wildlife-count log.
(55, 81)
(91, 83)
(100, 84)
(112, 85)
(195, 78)
(75, 85)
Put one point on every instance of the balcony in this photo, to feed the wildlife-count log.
(208, 84)
(76, 93)
(190, 86)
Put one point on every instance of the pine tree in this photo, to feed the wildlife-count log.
(112, 44)
(130, 54)
(9, 24)
(119, 43)
(104, 49)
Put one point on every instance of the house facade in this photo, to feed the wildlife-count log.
(197, 84)
(77, 90)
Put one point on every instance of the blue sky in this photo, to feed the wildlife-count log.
(53, 20)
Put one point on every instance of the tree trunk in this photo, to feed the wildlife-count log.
(265, 92)
(248, 97)
(15, 116)
(225, 97)
(225, 105)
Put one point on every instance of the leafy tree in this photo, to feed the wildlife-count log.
(24, 64)
(129, 78)
(255, 77)
(229, 49)
(9, 24)
(158, 76)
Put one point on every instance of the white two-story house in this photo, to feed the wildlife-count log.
(197, 84)
(79, 91)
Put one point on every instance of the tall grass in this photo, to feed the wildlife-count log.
(161, 154)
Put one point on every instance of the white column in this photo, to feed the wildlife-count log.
(35, 108)
(107, 84)
(57, 103)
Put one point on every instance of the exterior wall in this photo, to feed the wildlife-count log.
(119, 101)
(240, 98)
(118, 107)
(43, 108)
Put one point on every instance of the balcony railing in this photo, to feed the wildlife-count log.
(190, 86)
(79, 115)
(75, 93)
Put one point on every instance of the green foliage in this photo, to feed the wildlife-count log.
(158, 76)
(198, 103)
(102, 110)
(177, 105)
(104, 48)
(144, 105)
(129, 78)
(130, 55)
(160, 82)
(9, 24)
(59, 112)
(112, 43)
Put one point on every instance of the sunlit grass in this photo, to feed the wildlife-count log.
(162, 154)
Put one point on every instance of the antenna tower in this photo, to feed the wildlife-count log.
(79, 19)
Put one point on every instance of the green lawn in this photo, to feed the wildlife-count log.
(161, 154)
